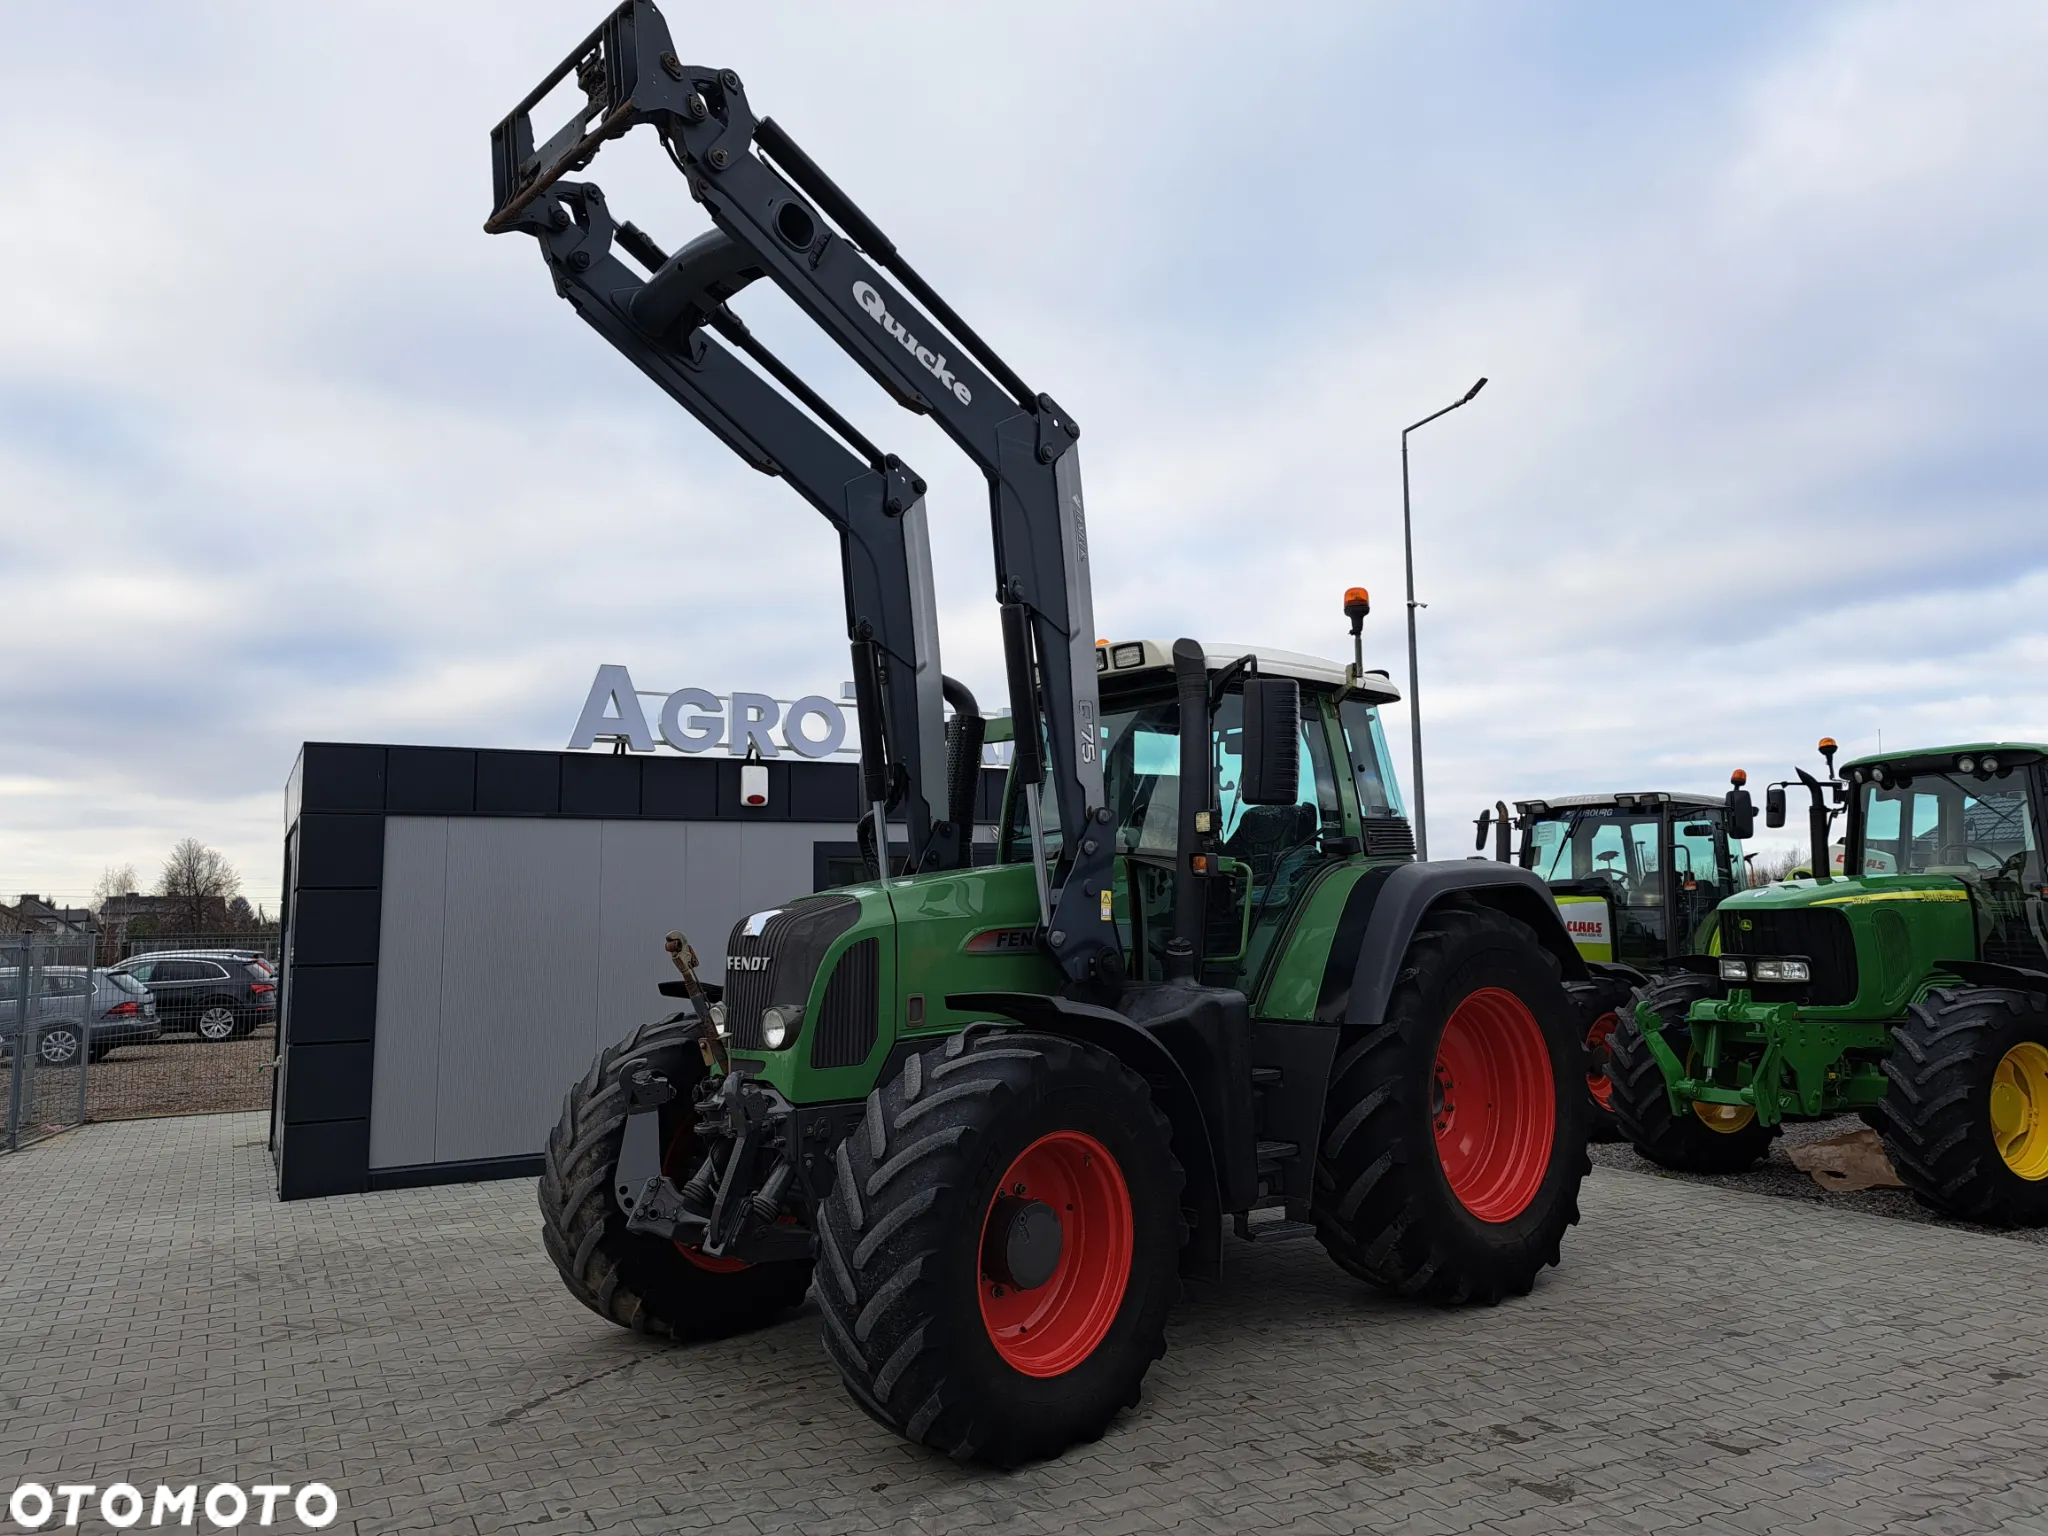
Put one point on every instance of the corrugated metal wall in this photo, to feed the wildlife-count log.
(512, 949)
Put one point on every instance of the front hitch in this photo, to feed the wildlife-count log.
(734, 1202)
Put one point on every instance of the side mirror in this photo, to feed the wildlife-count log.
(1774, 806)
(1485, 825)
(1272, 741)
(1740, 813)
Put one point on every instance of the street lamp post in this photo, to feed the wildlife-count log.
(1414, 677)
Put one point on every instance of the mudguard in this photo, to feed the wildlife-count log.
(1989, 973)
(1385, 909)
(1109, 1030)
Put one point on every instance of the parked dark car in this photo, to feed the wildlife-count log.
(122, 1013)
(220, 994)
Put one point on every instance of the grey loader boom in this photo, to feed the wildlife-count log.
(779, 216)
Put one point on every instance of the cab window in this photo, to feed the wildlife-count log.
(1952, 824)
(1699, 855)
(1379, 793)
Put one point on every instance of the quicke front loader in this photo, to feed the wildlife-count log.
(993, 1114)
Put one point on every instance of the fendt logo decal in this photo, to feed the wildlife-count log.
(747, 962)
(867, 298)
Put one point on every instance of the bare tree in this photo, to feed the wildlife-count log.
(1773, 864)
(199, 882)
(114, 880)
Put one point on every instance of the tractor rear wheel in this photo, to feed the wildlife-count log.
(1707, 1138)
(1966, 1115)
(630, 1278)
(1456, 1128)
(1601, 1002)
(1001, 1246)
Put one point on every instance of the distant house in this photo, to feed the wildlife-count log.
(117, 913)
(32, 914)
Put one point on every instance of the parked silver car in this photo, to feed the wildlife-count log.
(120, 1012)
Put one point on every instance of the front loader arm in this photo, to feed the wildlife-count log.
(877, 506)
(781, 218)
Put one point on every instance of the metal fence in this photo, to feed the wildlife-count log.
(184, 1032)
(127, 945)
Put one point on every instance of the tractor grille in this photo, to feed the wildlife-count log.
(1821, 936)
(1389, 837)
(848, 1019)
(784, 957)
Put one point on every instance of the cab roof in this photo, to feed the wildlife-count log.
(1939, 759)
(1132, 660)
(1621, 800)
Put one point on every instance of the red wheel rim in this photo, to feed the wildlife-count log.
(1050, 1329)
(683, 1146)
(1596, 1060)
(1494, 1105)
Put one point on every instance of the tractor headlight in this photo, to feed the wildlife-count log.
(1734, 970)
(1783, 970)
(1966, 764)
(1989, 763)
(779, 1024)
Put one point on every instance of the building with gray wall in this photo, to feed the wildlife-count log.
(466, 928)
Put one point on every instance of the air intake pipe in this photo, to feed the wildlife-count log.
(1192, 835)
(965, 733)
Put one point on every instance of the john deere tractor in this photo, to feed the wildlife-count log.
(1913, 990)
(1638, 879)
(991, 1115)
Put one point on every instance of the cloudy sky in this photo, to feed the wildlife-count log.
(290, 449)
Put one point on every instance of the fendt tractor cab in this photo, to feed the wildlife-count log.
(991, 1114)
(1638, 878)
(1913, 991)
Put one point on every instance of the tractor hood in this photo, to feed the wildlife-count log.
(1875, 942)
(1847, 891)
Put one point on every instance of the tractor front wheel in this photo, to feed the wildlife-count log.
(1601, 1002)
(1001, 1246)
(1456, 1128)
(1966, 1113)
(632, 1278)
(1706, 1138)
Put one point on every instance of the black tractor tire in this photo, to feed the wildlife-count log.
(1384, 1204)
(1683, 1143)
(902, 1277)
(1938, 1114)
(630, 1278)
(1601, 1002)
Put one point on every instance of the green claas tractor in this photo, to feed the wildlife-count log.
(991, 1115)
(1638, 879)
(1912, 991)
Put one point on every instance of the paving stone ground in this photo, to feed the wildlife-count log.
(1706, 1360)
(1776, 1175)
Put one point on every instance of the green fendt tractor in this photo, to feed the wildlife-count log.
(992, 1114)
(1913, 990)
(1638, 879)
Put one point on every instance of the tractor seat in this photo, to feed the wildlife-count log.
(1266, 832)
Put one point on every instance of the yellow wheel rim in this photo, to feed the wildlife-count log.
(1725, 1118)
(2019, 1109)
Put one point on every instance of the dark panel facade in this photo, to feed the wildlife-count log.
(336, 802)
